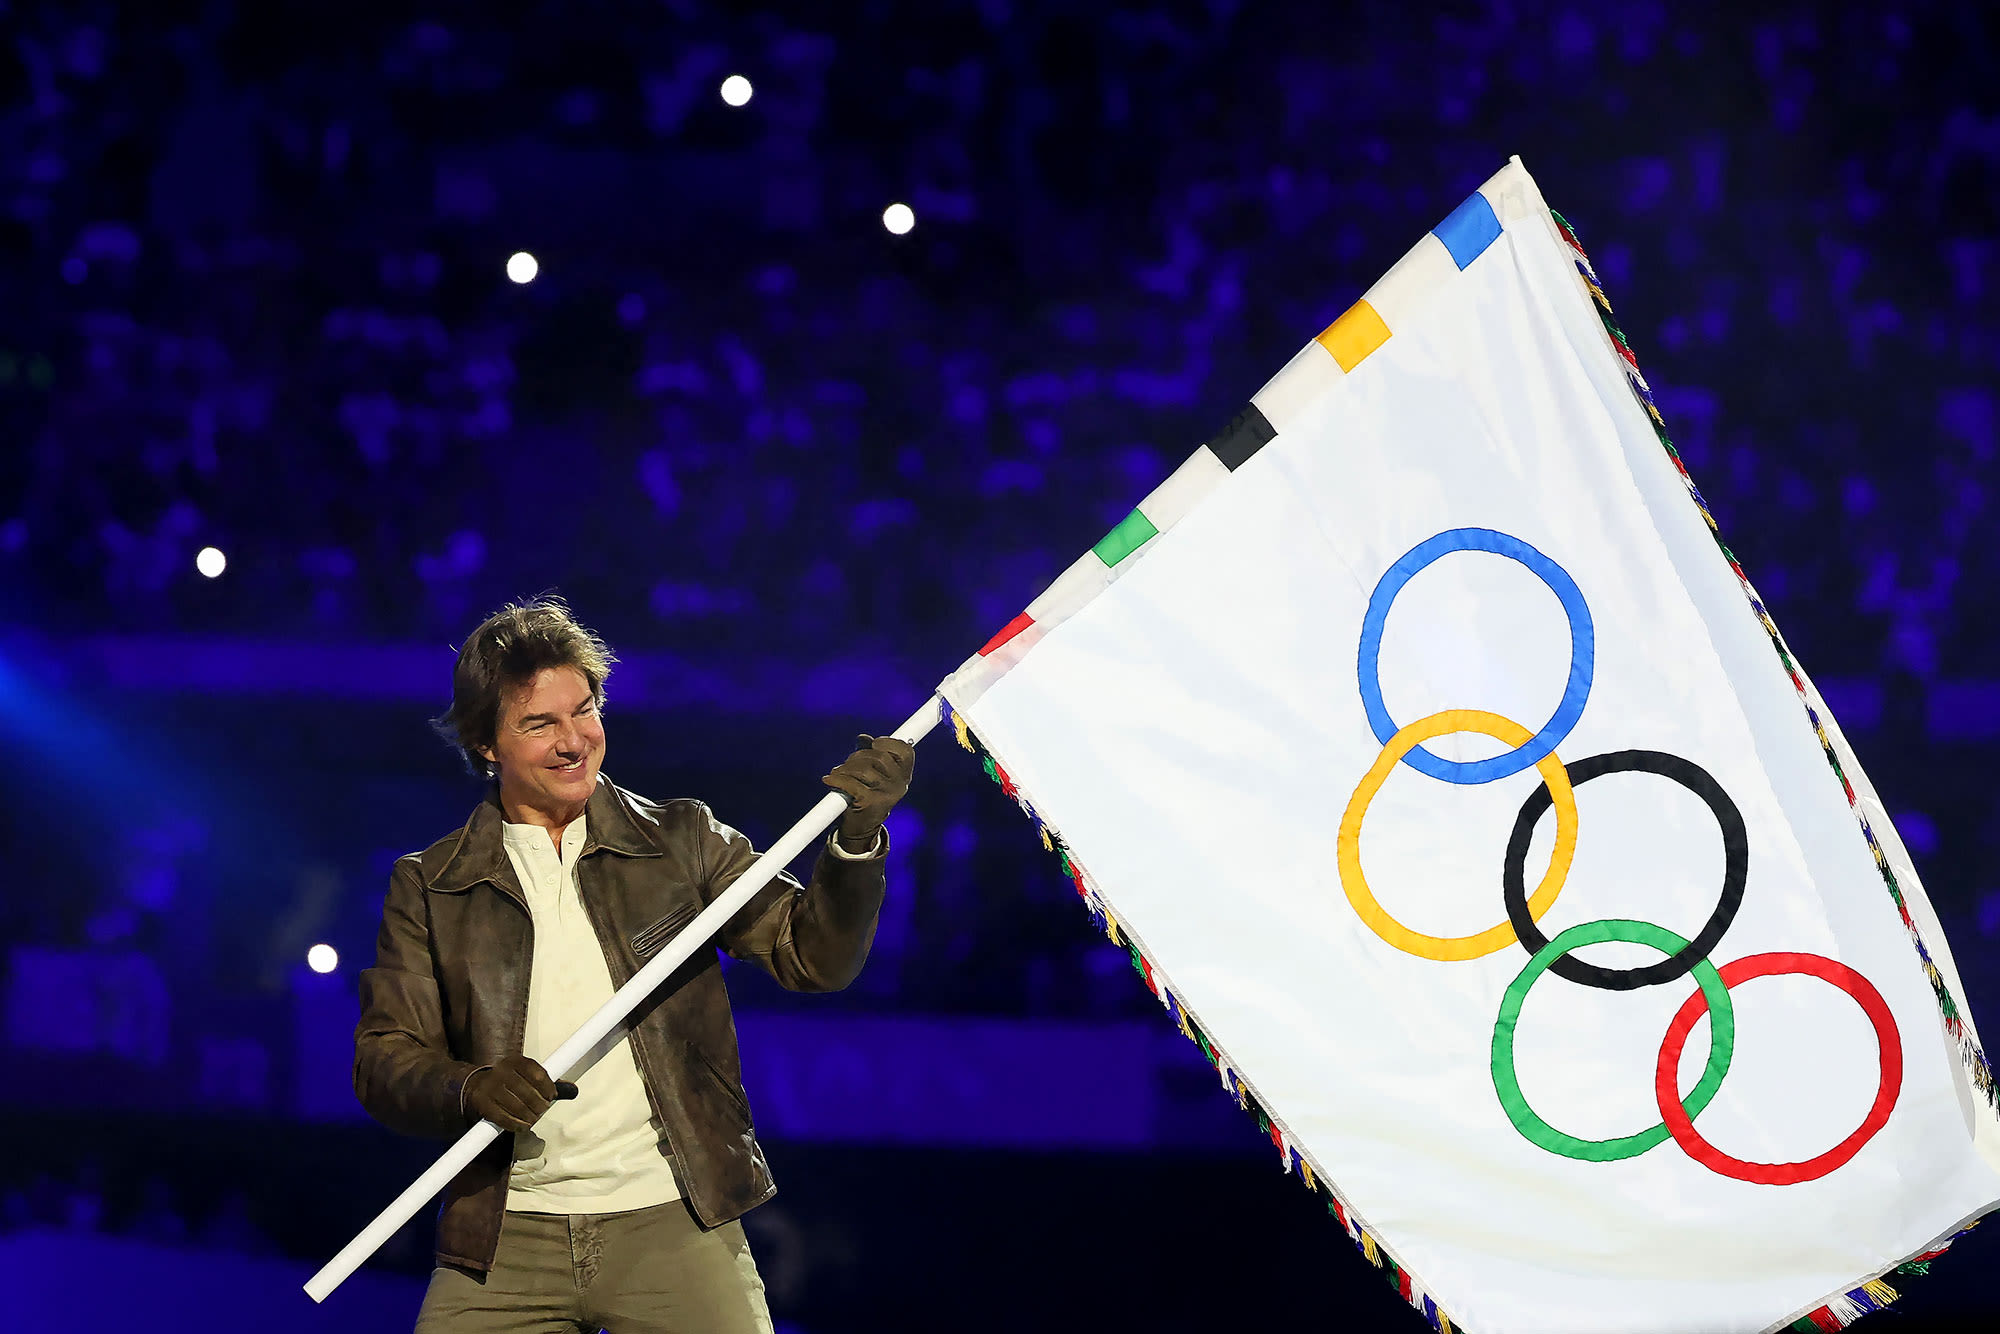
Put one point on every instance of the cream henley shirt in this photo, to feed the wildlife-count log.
(600, 1152)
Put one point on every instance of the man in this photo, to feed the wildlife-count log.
(614, 1201)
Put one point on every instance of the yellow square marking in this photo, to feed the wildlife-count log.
(1354, 335)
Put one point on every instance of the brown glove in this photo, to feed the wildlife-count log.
(875, 777)
(513, 1093)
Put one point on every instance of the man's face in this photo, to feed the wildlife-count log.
(549, 741)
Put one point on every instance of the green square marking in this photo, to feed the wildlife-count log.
(1130, 534)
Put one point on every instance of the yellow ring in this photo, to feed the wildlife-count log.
(1452, 949)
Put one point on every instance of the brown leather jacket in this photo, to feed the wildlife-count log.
(449, 989)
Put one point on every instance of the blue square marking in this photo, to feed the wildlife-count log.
(1469, 230)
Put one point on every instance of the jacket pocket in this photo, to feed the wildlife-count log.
(648, 940)
(730, 1088)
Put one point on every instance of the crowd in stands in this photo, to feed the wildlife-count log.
(149, 1210)
(257, 297)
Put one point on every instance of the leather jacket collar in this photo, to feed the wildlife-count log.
(480, 853)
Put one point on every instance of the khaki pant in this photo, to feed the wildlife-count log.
(646, 1271)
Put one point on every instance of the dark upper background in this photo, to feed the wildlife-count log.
(252, 295)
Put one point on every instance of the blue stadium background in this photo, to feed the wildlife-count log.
(253, 296)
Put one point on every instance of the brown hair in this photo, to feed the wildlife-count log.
(508, 649)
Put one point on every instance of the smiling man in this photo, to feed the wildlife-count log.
(614, 1202)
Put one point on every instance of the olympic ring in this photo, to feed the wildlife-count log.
(1452, 948)
(1735, 868)
(1721, 1047)
(1582, 653)
(1888, 1040)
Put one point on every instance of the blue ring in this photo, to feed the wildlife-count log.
(1582, 654)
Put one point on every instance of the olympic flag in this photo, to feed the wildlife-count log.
(1452, 787)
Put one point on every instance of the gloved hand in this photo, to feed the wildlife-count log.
(875, 777)
(514, 1092)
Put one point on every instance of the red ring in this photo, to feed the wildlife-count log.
(1890, 1043)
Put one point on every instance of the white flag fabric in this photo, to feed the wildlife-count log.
(1451, 785)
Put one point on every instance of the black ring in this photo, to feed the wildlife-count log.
(1735, 868)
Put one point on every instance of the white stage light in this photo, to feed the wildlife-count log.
(210, 562)
(522, 267)
(736, 90)
(322, 958)
(898, 218)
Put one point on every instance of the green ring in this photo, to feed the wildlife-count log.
(1722, 1042)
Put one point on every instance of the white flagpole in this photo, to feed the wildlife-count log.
(695, 936)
